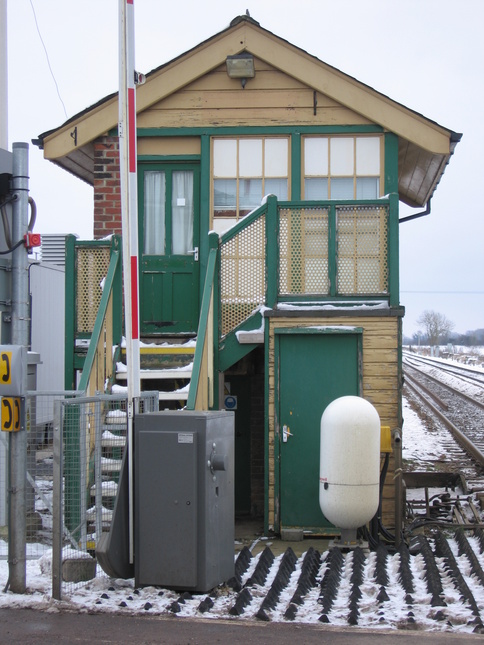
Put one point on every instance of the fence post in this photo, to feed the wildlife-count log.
(57, 515)
(272, 251)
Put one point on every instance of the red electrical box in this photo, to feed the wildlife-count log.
(32, 239)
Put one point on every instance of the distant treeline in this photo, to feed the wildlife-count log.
(469, 339)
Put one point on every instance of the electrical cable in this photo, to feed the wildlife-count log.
(6, 225)
(15, 246)
(47, 56)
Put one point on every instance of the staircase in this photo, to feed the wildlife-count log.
(166, 367)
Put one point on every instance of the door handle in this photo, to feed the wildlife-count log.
(286, 433)
(195, 253)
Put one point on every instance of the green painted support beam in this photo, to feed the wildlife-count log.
(70, 313)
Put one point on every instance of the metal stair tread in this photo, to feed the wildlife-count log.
(173, 396)
(166, 373)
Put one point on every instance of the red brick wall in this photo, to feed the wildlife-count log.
(107, 192)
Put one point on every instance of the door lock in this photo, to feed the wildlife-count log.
(195, 253)
(286, 433)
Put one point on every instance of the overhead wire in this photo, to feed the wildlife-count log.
(48, 60)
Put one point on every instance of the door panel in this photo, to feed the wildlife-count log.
(169, 239)
(314, 369)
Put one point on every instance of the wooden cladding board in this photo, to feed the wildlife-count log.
(270, 98)
(380, 380)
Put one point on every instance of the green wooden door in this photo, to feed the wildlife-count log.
(314, 369)
(169, 242)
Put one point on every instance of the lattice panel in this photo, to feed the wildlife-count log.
(303, 245)
(242, 275)
(362, 266)
(92, 267)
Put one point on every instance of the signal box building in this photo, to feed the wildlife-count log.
(269, 186)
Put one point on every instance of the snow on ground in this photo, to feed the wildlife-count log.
(420, 445)
(398, 610)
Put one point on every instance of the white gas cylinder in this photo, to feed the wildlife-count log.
(349, 462)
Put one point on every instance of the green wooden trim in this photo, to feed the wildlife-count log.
(272, 252)
(169, 158)
(391, 188)
(296, 166)
(249, 130)
(391, 163)
(266, 429)
(98, 325)
(116, 246)
(349, 203)
(70, 313)
(215, 243)
(400, 372)
(243, 223)
(332, 251)
(202, 330)
(230, 350)
(204, 207)
(393, 251)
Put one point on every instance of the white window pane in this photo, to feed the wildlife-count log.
(250, 158)
(367, 187)
(316, 188)
(277, 187)
(225, 158)
(225, 194)
(154, 213)
(182, 212)
(342, 188)
(316, 156)
(250, 193)
(368, 156)
(275, 158)
(342, 156)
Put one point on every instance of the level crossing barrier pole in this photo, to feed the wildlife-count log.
(129, 217)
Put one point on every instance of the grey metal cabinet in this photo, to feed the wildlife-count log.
(184, 499)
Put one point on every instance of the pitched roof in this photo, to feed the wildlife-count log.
(425, 147)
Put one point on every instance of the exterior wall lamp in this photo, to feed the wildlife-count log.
(241, 66)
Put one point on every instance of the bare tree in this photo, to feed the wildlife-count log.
(435, 324)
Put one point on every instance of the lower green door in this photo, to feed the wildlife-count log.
(314, 369)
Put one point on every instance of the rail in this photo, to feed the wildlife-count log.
(300, 251)
(200, 394)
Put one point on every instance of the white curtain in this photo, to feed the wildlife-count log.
(154, 212)
(182, 212)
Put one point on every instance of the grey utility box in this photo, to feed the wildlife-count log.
(184, 499)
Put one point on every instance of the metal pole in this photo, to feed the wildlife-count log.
(3, 77)
(129, 214)
(20, 336)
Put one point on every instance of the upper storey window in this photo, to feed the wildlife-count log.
(341, 167)
(246, 169)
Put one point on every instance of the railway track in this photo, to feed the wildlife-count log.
(452, 403)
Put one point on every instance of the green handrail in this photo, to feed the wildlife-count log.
(202, 334)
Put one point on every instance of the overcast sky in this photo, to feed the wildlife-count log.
(426, 54)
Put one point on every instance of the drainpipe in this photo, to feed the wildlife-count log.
(397, 439)
(416, 215)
